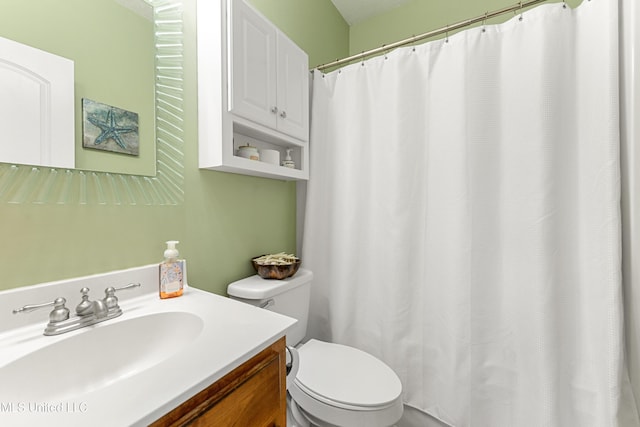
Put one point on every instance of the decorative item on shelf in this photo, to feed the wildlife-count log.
(276, 266)
(270, 156)
(288, 162)
(248, 152)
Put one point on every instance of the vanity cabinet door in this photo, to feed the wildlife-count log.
(254, 394)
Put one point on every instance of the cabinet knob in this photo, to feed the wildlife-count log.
(283, 114)
(274, 110)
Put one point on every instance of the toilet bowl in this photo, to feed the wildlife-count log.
(331, 384)
(343, 386)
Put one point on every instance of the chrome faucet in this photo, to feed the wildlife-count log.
(87, 312)
(87, 308)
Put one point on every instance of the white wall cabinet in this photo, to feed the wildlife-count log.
(269, 74)
(253, 88)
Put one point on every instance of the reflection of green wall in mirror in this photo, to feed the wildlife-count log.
(112, 49)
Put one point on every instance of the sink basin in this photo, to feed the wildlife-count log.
(98, 356)
(126, 371)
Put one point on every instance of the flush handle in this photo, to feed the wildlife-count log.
(267, 303)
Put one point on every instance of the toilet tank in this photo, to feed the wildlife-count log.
(289, 297)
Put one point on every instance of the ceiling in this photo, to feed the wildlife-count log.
(354, 11)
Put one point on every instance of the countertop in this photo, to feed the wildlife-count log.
(231, 333)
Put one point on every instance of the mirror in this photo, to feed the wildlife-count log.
(161, 183)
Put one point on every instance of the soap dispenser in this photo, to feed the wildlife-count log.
(288, 161)
(172, 274)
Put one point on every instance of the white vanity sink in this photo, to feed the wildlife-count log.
(125, 371)
(86, 362)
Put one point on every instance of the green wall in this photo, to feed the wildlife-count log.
(419, 16)
(315, 25)
(225, 218)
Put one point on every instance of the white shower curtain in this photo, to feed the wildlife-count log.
(463, 220)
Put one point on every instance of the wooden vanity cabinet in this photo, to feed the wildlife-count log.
(253, 394)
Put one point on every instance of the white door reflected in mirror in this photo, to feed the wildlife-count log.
(36, 106)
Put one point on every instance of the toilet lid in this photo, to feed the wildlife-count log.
(345, 375)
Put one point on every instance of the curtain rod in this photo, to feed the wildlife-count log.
(444, 30)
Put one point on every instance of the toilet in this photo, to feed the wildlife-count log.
(329, 384)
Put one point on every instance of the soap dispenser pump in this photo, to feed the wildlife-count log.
(288, 161)
(171, 272)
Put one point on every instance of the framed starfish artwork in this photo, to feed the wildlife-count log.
(109, 128)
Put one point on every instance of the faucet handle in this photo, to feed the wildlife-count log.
(58, 314)
(129, 286)
(110, 298)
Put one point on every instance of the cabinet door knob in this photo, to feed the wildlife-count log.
(274, 110)
(283, 114)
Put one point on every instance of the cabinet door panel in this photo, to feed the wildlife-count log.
(293, 89)
(253, 394)
(255, 403)
(253, 66)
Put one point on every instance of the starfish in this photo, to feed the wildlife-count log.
(110, 129)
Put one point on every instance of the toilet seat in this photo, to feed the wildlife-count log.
(345, 377)
(346, 386)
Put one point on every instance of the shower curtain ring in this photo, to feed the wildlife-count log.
(520, 19)
(446, 40)
(363, 58)
(484, 22)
